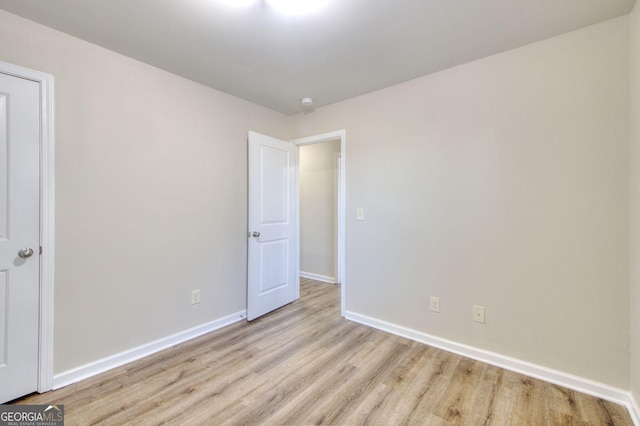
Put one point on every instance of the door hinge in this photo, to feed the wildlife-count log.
(40, 249)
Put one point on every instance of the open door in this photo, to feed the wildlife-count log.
(19, 236)
(273, 225)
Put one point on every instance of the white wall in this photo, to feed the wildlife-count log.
(635, 200)
(150, 194)
(318, 208)
(504, 183)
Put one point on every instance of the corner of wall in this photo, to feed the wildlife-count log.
(634, 201)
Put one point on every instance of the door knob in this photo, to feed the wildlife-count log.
(256, 234)
(25, 252)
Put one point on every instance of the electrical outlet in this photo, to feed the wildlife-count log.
(478, 314)
(195, 296)
(434, 304)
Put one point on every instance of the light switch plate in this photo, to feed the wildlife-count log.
(360, 213)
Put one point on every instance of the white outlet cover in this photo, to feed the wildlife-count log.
(434, 304)
(195, 297)
(478, 314)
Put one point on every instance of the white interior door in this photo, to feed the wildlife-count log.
(19, 235)
(274, 257)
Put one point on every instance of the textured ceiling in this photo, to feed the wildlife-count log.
(349, 48)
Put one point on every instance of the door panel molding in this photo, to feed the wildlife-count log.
(45, 355)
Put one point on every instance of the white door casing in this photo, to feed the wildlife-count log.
(341, 272)
(338, 228)
(19, 236)
(273, 248)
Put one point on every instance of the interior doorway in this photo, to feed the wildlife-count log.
(321, 211)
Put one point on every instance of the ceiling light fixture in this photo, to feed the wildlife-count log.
(307, 102)
(297, 7)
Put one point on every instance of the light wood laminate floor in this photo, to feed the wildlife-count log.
(304, 364)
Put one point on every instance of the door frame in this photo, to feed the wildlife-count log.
(326, 137)
(45, 338)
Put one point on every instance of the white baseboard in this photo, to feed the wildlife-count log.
(317, 277)
(570, 381)
(100, 366)
(634, 409)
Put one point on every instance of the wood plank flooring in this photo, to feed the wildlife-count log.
(304, 364)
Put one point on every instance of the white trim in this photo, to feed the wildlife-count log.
(100, 366)
(318, 277)
(570, 381)
(45, 353)
(634, 409)
(296, 242)
(342, 253)
(337, 164)
(324, 137)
